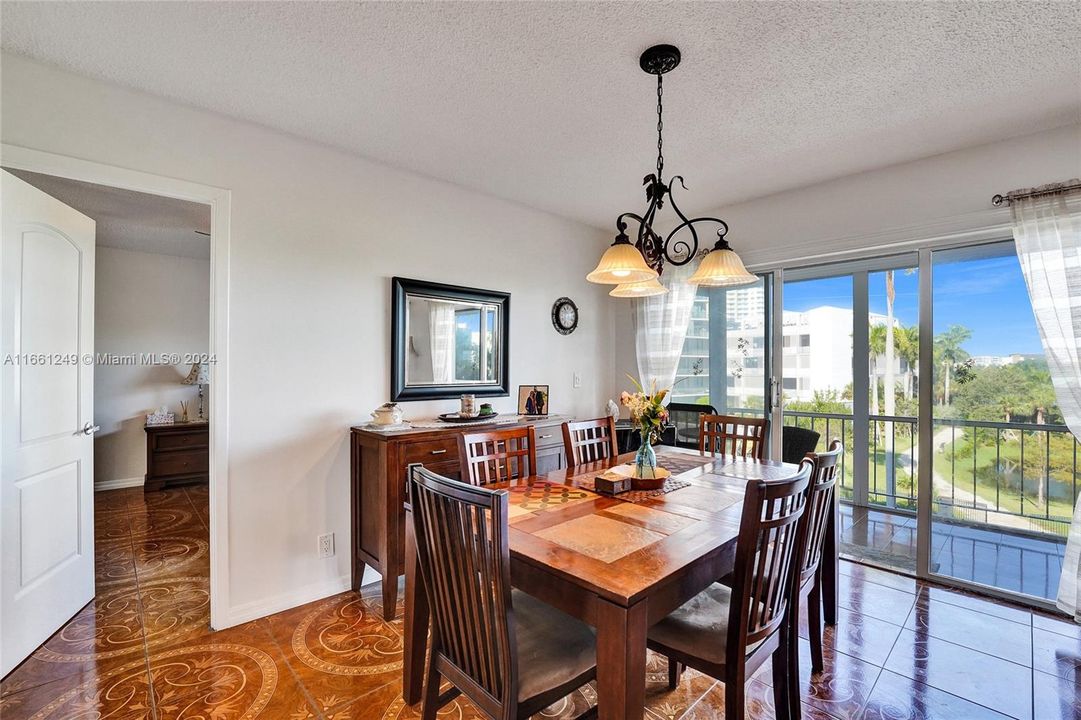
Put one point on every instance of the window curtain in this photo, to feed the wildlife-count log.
(1047, 232)
(660, 326)
(441, 321)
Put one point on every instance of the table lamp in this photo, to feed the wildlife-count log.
(199, 375)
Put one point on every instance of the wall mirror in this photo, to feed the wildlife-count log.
(448, 340)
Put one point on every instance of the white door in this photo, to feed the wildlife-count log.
(46, 417)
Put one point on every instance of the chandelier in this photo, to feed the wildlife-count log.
(635, 268)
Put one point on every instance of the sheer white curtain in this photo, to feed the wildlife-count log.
(441, 320)
(660, 325)
(1047, 232)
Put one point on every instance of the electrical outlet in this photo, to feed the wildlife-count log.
(326, 545)
(577, 380)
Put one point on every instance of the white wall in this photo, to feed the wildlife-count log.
(945, 196)
(143, 303)
(316, 236)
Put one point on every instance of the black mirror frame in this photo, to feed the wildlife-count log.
(400, 289)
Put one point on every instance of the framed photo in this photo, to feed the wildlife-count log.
(533, 400)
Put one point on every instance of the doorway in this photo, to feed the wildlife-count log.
(147, 517)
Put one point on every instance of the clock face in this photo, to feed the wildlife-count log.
(565, 315)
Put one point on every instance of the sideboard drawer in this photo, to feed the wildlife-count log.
(439, 450)
(180, 441)
(549, 436)
(180, 463)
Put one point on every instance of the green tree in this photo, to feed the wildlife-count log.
(949, 353)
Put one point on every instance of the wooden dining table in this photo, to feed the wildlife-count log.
(617, 565)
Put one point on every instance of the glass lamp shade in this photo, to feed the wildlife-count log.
(621, 263)
(639, 289)
(721, 267)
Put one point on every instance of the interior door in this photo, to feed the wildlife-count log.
(47, 412)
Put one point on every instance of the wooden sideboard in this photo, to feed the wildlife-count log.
(378, 463)
(176, 454)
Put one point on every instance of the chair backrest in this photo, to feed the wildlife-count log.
(732, 435)
(589, 441)
(819, 503)
(796, 442)
(464, 558)
(767, 550)
(499, 455)
(683, 423)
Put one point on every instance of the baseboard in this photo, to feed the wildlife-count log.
(261, 608)
(118, 483)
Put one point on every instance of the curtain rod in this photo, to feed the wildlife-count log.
(1052, 189)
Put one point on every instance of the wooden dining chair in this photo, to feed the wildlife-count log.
(809, 570)
(728, 633)
(498, 455)
(511, 654)
(732, 435)
(589, 441)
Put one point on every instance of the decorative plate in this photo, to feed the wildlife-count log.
(456, 418)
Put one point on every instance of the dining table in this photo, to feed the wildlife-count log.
(618, 563)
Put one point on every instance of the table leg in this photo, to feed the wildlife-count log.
(621, 661)
(830, 562)
(416, 622)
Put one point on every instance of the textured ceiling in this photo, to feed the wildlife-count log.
(544, 103)
(133, 220)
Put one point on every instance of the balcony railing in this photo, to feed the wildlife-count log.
(1017, 476)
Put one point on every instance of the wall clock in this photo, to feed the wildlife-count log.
(565, 316)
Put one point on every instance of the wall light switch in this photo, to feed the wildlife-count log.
(577, 380)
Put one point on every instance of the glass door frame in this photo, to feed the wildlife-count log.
(922, 254)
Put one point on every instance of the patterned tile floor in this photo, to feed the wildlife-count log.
(142, 648)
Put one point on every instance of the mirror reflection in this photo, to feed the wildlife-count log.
(451, 342)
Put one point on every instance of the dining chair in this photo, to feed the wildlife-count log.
(589, 441)
(796, 442)
(511, 654)
(498, 455)
(729, 632)
(732, 435)
(820, 496)
(682, 428)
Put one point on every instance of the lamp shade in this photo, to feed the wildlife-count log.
(621, 263)
(639, 289)
(721, 267)
(198, 375)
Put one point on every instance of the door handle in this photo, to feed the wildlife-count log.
(90, 429)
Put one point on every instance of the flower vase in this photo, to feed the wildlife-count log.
(645, 466)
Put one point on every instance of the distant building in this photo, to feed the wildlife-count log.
(816, 347)
(996, 360)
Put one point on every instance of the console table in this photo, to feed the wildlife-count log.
(378, 464)
(177, 453)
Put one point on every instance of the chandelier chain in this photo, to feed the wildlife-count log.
(660, 127)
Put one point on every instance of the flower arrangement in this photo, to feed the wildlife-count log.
(647, 410)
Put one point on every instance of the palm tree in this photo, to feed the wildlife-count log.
(949, 352)
(908, 346)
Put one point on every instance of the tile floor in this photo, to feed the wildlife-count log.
(142, 648)
(988, 556)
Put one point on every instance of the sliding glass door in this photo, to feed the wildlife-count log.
(1004, 467)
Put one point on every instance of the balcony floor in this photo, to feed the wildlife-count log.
(989, 556)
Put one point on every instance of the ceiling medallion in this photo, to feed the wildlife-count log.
(643, 261)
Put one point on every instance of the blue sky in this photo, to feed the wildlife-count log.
(988, 296)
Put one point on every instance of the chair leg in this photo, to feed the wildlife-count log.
(814, 625)
(735, 696)
(430, 700)
(791, 649)
(675, 671)
(782, 699)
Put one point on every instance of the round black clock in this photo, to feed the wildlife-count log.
(565, 316)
